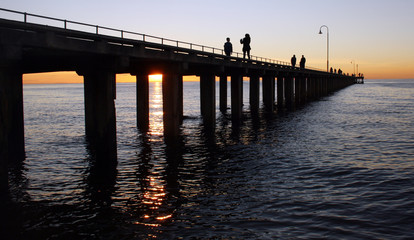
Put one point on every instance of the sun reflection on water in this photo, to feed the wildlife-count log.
(156, 125)
(154, 197)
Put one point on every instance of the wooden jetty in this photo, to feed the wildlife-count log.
(99, 53)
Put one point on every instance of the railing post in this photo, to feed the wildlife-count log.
(25, 17)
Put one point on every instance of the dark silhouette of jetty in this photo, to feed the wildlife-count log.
(99, 53)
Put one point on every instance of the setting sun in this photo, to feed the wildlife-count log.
(155, 78)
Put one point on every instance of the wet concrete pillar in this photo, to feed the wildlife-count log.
(171, 105)
(11, 114)
(142, 84)
(181, 99)
(303, 90)
(254, 93)
(280, 91)
(330, 85)
(289, 92)
(321, 86)
(310, 88)
(100, 119)
(208, 98)
(236, 97)
(317, 87)
(11, 122)
(298, 86)
(268, 90)
(325, 85)
(223, 93)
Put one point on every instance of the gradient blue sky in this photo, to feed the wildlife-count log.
(378, 35)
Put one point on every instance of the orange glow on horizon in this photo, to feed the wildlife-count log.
(52, 78)
(370, 72)
(73, 77)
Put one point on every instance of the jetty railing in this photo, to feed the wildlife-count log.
(123, 34)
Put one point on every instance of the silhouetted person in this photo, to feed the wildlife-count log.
(293, 61)
(246, 45)
(228, 47)
(302, 62)
(331, 70)
(339, 71)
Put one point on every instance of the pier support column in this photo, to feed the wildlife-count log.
(236, 97)
(310, 88)
(100, 119)
(142, 85)
(280, 91)
(289, 92)
(181, 99)
(268, 92)
(325, 85)
(329, 86)
(11, 115)
(254, 93)
(298, 89)
(317, 88)
(208, 98)
(303, 88)
(223, 93)
(171, 105)
(11, 122)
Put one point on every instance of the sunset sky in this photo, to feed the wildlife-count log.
(377, 35)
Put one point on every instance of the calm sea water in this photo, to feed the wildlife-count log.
(338, 168)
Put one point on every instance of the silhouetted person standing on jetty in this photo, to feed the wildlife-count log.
(228, 47)
(293, 61)
(246, 45)
(302, 62)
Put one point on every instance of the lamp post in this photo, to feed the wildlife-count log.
(353, 62)
(327, 45)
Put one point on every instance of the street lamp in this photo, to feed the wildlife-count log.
(327, 45)
(353, 62)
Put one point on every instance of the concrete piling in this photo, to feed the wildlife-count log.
(142, 85)
(223, 93)
(208, 98)
(171, 105)
(254, 93)
(100, 119)
(236, 97)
